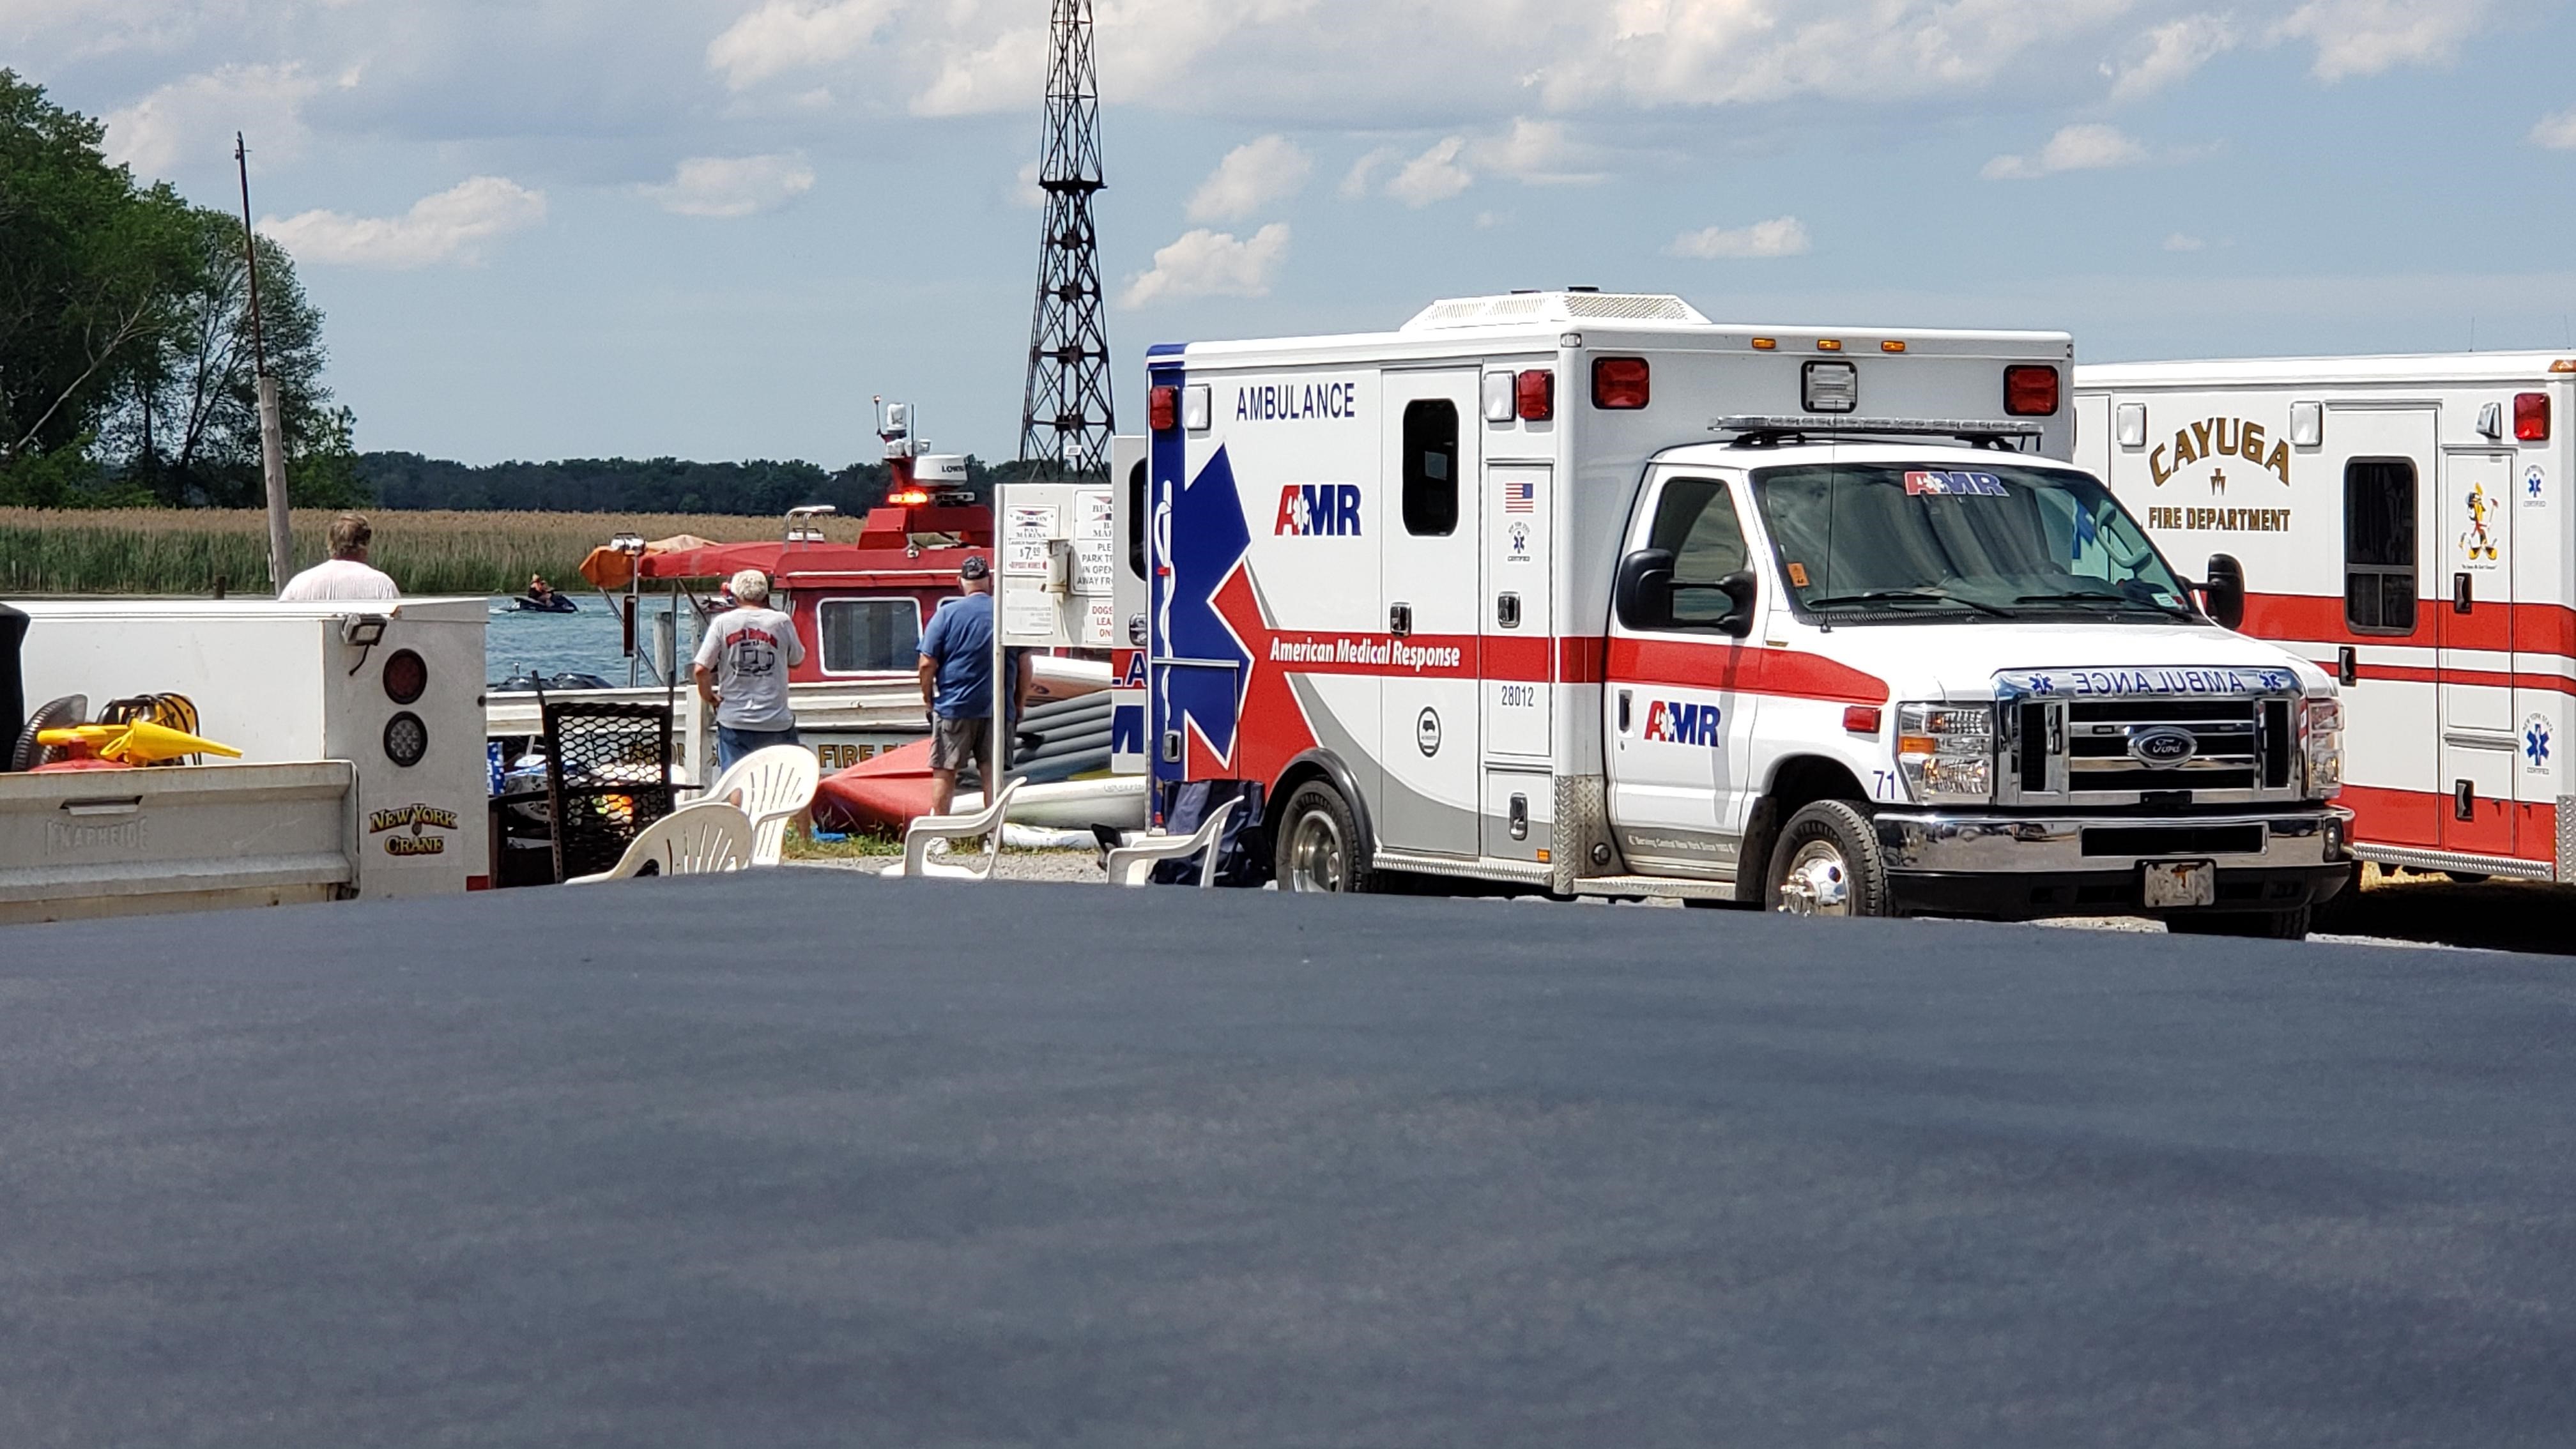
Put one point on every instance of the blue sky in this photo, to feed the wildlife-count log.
(714, 228)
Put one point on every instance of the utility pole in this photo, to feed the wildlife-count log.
(272, 429)
(1066, 416)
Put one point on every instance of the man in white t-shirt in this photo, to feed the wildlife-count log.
(345, 574)
(742, 667)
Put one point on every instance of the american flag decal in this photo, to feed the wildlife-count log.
(1520, 498)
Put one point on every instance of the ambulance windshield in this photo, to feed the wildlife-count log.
(1892, 540)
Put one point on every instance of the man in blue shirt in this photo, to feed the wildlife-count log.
(957, 682)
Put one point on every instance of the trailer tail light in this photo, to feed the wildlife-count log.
(1621, 384)
(1534, 394)
(2531, 417)
(406, 677)
(2030, 392)
(1163, 409)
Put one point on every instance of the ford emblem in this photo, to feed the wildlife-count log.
(2163, 747)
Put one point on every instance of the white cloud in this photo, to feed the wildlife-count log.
(1781, 236)
(446, 227)
(733, 185)
(1025, 191)
(1435, 175)
(1534, 153)
(2173, 52)
(2557, 132)
(1539, 153)
(791, 35)
(2087, 147)
(1206, 263)
(190, 123)
(2366, 37)
(2181, 243)
(1008, 74)
(1363, 172)
(1252, 176)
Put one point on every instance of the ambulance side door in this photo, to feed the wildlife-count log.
(1677, 718)
(1429, 734)
(2480, 731)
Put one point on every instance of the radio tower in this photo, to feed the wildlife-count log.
(1066, 417)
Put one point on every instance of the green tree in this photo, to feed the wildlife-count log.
(187, 427)
(90, 265)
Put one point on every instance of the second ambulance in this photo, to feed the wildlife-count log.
(1582, 593)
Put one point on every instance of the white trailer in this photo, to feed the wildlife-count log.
(2404, 523)
(363, 768)
(1584, 593)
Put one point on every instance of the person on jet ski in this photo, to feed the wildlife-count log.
(540, 593)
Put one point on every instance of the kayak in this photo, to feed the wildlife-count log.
(886, 794)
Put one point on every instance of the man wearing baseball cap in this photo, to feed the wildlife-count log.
(957, 681)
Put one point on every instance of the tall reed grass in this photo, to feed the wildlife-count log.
(174, 551)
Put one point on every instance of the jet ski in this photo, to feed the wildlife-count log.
(557, 603)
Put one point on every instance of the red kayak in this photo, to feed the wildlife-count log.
(877, 796)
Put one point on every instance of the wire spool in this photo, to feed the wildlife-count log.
(26, 754)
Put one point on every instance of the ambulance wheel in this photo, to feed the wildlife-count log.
(1319, 843)
(2255, 925)
(1827, 863)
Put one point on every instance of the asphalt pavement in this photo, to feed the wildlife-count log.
(808, 1158)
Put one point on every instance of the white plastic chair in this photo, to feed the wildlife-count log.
(986, 822)
(776, 784)
(1133, 865)
(699, 839)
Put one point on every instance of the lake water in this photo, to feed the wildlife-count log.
(583, 643)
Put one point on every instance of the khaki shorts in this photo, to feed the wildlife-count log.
(958, 743)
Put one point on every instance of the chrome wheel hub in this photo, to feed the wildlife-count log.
(1315, 854)
(1818, 882)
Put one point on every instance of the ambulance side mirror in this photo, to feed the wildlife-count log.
(1740, 590)
(2223, 597)
(1643, 593)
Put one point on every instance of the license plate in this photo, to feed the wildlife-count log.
(2174, 883)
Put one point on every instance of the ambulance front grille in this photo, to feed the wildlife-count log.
(2081, 752)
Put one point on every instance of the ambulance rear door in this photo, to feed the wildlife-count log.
(1131, 502)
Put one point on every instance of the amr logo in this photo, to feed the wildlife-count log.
(1307, 509)
(1684, 724)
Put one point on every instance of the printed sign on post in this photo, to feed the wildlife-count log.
(1095, 539)
(1026, 529)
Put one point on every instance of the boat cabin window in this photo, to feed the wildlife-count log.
(2379, 545)
(1431, 468)
(864, 636)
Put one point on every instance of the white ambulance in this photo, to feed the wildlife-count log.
(1581, 593)
(2403, 522)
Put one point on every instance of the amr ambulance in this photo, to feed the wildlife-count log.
(2404, 523)
(1581, 593)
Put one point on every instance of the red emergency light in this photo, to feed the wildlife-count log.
(2030, 392)
(1534, 395)
(1620, 384)
(1163, 409)
(2531, 417)
(909, 498)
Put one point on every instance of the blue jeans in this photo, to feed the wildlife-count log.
(732, 744)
